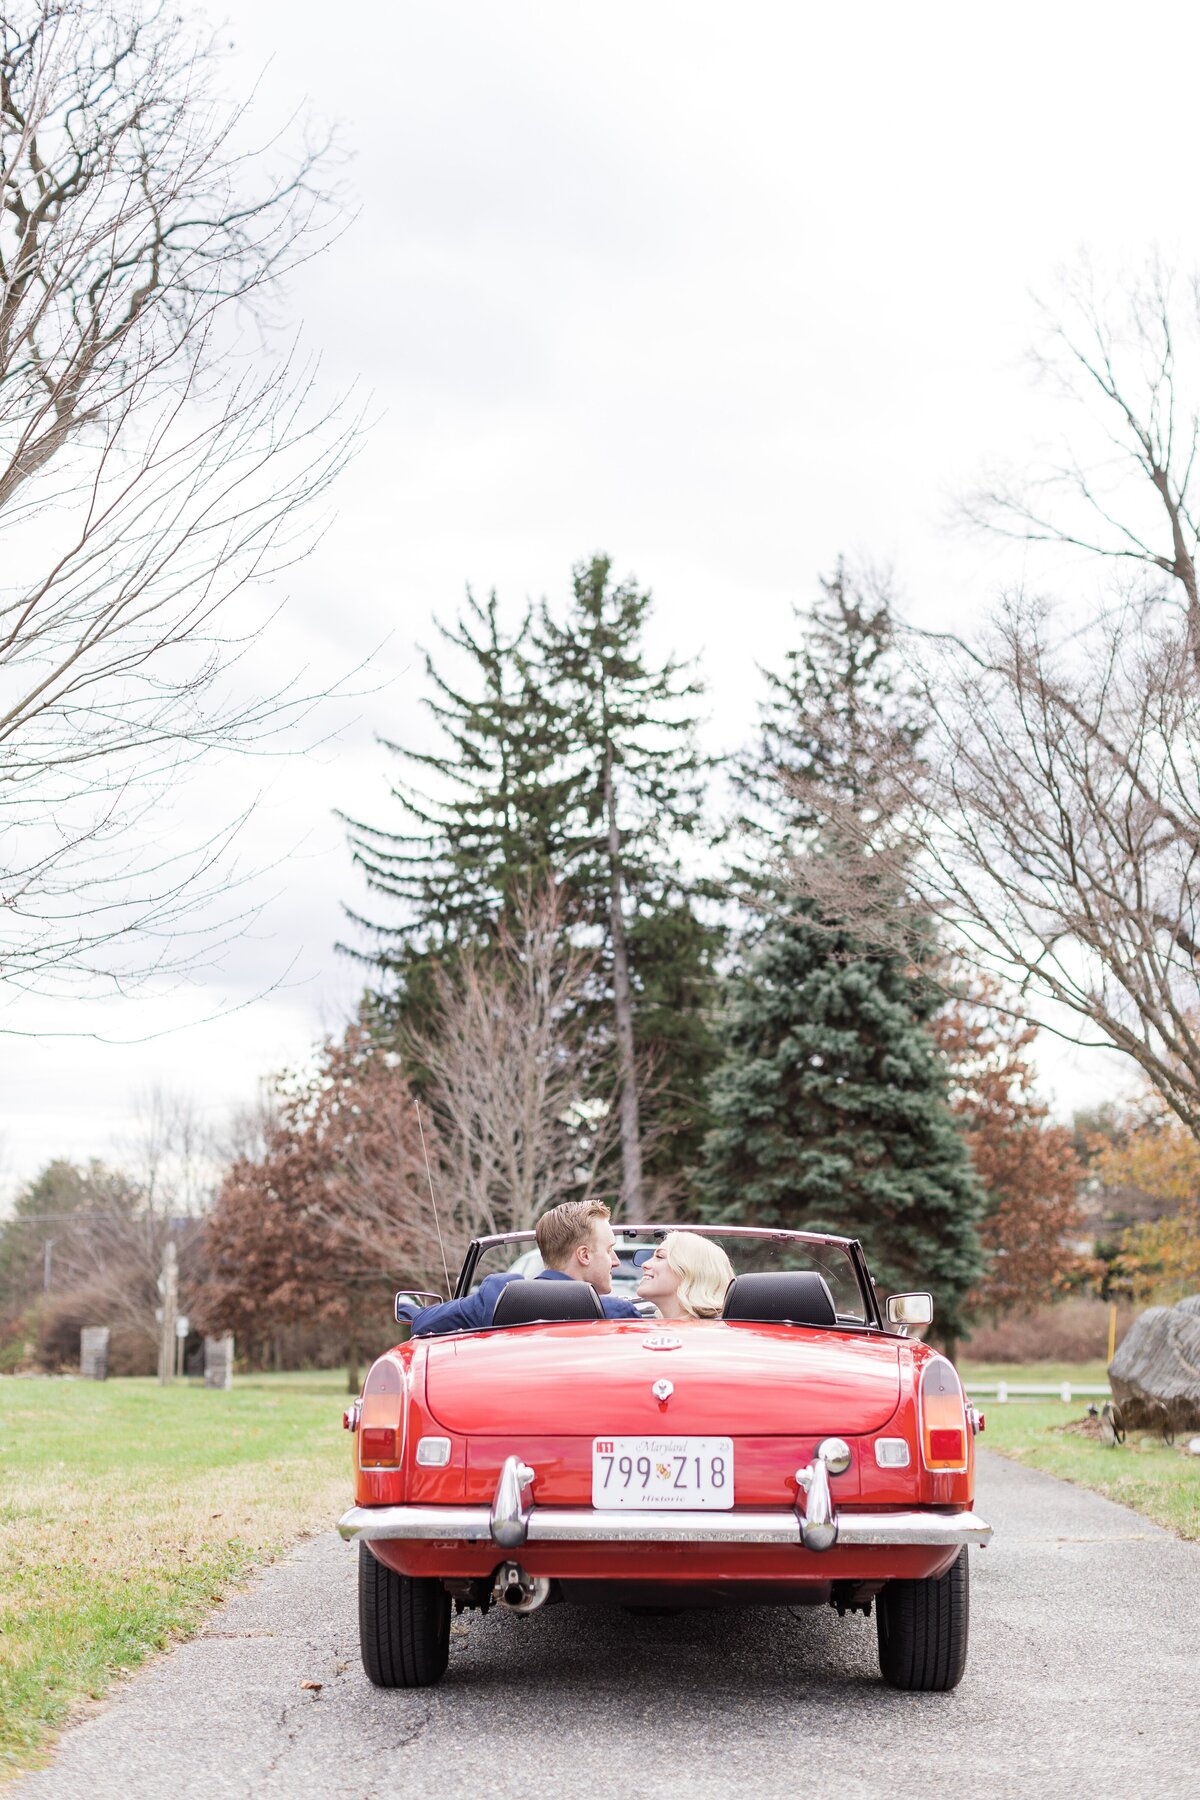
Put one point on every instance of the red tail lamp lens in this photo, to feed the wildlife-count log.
(943, 1419)
(381, 1426)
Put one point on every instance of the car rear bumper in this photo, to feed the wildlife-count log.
(587, 1525)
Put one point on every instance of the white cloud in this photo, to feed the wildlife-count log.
(724, 291)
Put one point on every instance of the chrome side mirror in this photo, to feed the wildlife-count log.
(910, 1309)
(417, 1297)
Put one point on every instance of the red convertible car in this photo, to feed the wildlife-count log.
(800, 1448)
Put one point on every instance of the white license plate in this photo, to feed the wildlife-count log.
(657, 1473)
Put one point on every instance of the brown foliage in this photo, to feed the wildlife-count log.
(1071, 1330)
(334, 1214)
(1028, 1168)
(337, 1211)
(60, 1320)
(1151, 1152)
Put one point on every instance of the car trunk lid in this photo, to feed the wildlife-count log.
(589, 1380)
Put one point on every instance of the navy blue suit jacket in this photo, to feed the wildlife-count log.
(475, 1310)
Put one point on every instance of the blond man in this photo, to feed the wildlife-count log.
(576, 1242)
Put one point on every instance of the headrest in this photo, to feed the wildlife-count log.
(794, 1297)
(529, 1302)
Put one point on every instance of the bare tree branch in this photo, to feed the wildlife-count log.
(157, 460)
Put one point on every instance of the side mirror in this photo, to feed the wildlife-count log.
(910, 1309)
(414, 1297)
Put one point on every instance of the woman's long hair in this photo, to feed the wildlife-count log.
(704, 1272)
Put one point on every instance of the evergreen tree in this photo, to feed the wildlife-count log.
(564, 753)
(830, 720)
(635, 770)
(495, 824)
(832, 1114)
(830, 1104)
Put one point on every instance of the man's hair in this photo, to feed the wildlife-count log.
(565, 1227)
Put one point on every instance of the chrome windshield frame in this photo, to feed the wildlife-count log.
(873, 1317)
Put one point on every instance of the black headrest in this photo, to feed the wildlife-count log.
(528, 1302)
(794, 1297)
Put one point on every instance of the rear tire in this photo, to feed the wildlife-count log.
(403, 1625)
(923, 1627)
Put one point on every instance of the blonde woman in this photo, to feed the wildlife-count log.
(686, 1277)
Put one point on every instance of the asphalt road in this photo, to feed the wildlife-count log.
(1083, 1679)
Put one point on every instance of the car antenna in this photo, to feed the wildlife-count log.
(433, 1198)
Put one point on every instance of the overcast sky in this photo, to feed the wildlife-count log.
(722, 290)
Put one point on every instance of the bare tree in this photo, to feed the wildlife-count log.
(1053, 815)
(508, 1063)
(155, 458)
(1126, 487)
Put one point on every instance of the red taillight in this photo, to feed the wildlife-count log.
(943, 1418)
(378, 1446)
(381, 1423)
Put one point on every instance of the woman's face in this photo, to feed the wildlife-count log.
(659, 1281)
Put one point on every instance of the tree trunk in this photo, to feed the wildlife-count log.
(631, 1141)
(352, 1371)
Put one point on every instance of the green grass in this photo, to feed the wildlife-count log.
(1039, 1374)
(1161, 1482)
(126, 1510)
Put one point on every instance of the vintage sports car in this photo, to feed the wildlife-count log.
(801, 1448)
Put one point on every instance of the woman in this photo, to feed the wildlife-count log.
(686, 1277)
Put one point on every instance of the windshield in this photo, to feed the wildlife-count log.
(751, 1253)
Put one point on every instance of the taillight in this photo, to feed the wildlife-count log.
(943, 1417)
(381, 1422)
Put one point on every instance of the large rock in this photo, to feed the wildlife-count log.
(1155, 1375)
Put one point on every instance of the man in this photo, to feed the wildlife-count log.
(576, 1243)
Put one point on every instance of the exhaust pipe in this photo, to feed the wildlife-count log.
(519, 1592)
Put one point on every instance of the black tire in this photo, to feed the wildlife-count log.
(403, 1625)
(922, 1628)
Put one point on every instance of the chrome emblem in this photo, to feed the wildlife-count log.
(662, 1340)
(662, 1391)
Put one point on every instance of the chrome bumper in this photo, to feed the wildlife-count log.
(586, 1525)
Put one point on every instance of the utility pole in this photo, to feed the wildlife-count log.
(168, 1287)
(48, 1264)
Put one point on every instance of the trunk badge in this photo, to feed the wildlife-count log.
(662, 1340)
(662, 1391)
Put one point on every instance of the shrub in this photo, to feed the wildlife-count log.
(1072, 1330)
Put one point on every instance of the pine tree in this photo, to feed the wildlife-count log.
(629, 730)
(831, 720)
(832, 1114)
(830, 1104)
(495, 825)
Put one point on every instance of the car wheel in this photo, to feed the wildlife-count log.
(403, 1625)
(922, 1627)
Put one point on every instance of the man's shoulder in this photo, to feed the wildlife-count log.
(616, 1308)
(491, 1284)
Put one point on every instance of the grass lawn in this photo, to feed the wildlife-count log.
(126, 1509)
(1036, 1374)
(1144, 1473)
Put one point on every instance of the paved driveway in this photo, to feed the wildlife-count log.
(1083, 1679)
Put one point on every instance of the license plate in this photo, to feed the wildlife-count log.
(658, 1473)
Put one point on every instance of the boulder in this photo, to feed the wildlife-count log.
(1155, 1374)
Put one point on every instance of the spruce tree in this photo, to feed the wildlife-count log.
(485, 814)
(831, 718)
(636, 773)
(830, 1103)
(832, 1114)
